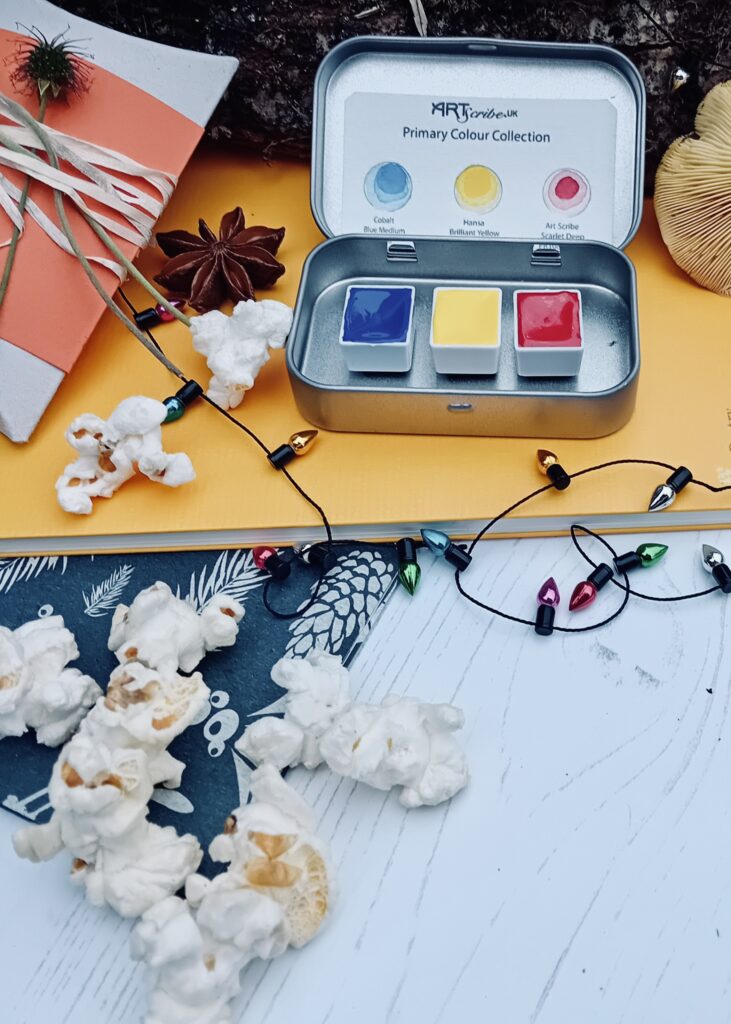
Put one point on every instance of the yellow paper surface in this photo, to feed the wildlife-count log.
(683, 413)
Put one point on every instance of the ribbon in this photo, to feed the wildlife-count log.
(137, 211)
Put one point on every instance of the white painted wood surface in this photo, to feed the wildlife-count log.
(584, 876)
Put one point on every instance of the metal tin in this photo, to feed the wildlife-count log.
(597, 401)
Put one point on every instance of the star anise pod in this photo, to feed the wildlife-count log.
(209, 269)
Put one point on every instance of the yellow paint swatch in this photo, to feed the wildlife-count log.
(478, 189)
(466, 316)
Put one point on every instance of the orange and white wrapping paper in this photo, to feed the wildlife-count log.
(147, 101)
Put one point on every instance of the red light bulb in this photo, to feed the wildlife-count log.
(583, 595)
(267, 559)
(262, 555)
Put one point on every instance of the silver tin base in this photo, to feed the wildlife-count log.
(598, 401)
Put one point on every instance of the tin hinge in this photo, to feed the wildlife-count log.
(546, 256)
(401, 251)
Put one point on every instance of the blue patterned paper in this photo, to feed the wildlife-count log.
(85, 590)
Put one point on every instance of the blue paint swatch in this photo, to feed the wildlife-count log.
(388, 186)
(377, 315)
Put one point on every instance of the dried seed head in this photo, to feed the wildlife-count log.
(50, 65)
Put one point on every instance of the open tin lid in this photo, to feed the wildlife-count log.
(478, 138)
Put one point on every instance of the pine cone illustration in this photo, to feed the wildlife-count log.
(350, 596)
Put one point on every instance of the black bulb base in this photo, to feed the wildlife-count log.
(558, 477)
(545, 619)
(147, 318)
(406, 550)
(680, 478)
(458, 557)
(189, 392)
(282, 456)
(277, 568)
(628, 562)
(600, 576)
(722, 576)
(320, 556)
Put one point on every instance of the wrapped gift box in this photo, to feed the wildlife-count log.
(148, 101)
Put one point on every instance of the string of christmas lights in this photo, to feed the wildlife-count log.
(324, 555)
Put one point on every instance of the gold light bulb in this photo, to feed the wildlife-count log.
(302, 441)
(545, 460)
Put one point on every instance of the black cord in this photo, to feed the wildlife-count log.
(639, 593)
(330, 543)
(648, 462)
(531, 622)
(506, 512)
(625, 587)
(267, 451)
(294, 558)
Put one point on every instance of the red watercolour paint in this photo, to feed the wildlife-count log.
(567, 190)
(549, 320)
(566, 187)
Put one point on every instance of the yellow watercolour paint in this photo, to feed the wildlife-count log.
(478, 189)
(466, 316)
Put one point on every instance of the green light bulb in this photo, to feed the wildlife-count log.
(409, 575)
(175, 409)
(650, 554)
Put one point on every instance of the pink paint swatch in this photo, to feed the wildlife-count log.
(549, 320)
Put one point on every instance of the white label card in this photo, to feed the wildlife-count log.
(538, 169)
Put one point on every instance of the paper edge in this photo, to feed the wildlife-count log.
(27, 385)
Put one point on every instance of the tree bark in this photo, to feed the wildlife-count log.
(281, 42)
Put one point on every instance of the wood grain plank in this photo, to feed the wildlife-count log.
(583, 876)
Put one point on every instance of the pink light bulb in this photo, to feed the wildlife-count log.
(165, 315)
(548, 594)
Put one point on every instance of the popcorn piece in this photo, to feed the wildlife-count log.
(400, 742)
(145, 710)
(111, 451)
(275, 893)
(195, 974)
(274, 741)
(100, 796)
(270, 843)
(237, 346)
(14, 685)
(133, 876)
(318, 689)
(37, 690)
(166, 633)
(104, 776)
(190, 984)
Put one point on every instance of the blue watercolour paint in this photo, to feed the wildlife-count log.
(378, 315)
(388, 186)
